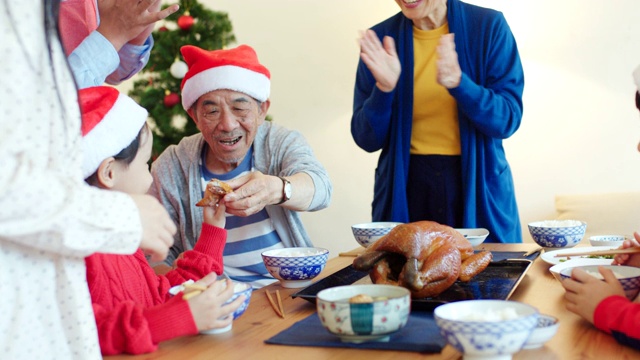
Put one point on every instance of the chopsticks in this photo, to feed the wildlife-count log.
(632, 250)
(191, 290)
(532, 251)
(278, 308)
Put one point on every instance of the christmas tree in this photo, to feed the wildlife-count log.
(158, 84)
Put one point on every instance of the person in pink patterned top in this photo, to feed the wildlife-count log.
(133, 308)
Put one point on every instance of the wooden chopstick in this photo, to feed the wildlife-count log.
(532, 251)
(191, 290)
(632, 250)
(273, 304)
(280, 303)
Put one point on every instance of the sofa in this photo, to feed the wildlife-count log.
(605, 213)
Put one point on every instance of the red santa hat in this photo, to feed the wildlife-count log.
(235, 69)
(110, 123)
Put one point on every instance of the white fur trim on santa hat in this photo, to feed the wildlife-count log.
(117, 130)
(228, 77)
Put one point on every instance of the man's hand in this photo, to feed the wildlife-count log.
(157, 227)
(252, 192)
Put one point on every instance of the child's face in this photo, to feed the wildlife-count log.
(136, 178)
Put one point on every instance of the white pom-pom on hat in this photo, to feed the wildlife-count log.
(236, 69)
(110, 123)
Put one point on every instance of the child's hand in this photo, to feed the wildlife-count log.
(215, 215)
(208, 309)
(584, 292)
(628, 259)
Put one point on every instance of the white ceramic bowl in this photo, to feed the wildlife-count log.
(607, 240)
(295, 267)
(557, 233)
(629, 276)
(475, 236)
(239, 288)
(545, 329)
(486, 329)
(360, 322)
(555, 269)
(368, 233)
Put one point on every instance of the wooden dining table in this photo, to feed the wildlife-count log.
(575, 339)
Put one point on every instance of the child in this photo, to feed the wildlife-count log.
(603, 303)
(132, 306)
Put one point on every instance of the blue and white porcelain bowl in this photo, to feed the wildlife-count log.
(239, 288)
(295, 267)
(557, 233)
(368, 233)
(374, 320)
(607, 240)
(629, 276)
(545, 329)
(486, 329)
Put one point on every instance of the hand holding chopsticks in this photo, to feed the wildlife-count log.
(278, 308)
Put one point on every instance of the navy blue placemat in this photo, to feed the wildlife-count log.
(421, 334)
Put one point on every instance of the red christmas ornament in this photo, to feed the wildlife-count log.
(171, 100)
(185, 22)
(163, 29)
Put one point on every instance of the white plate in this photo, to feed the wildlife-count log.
(475, 236)
(549, 256)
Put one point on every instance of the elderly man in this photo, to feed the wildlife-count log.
(272, 170)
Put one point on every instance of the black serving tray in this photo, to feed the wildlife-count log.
(497, 281)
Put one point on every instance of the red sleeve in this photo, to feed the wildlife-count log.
(619, 317)
(129, 328)
(206, 257)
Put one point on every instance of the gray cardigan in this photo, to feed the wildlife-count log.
(276, 150)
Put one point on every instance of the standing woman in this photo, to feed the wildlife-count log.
(438, 95)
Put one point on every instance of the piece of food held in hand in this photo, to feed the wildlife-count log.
(424, 257)
(214, 191)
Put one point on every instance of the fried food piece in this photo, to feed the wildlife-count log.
(361, 299)
(215, 190)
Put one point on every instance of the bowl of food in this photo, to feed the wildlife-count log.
(628, 276)
(607, 240)
(557, 233)
(545, 329)
(365, 312)
(295, 267)
(239, 288)
(491, 329)
(190, 289)
(367, 233)
(475, 236)
(576, 262)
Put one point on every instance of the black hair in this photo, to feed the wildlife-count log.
(126, 155)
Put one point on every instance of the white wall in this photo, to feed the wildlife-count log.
(579, 130)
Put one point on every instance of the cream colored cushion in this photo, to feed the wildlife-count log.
(605, 213)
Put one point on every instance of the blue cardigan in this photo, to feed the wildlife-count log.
(489, 101)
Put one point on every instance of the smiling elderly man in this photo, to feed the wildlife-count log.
(272, 170)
